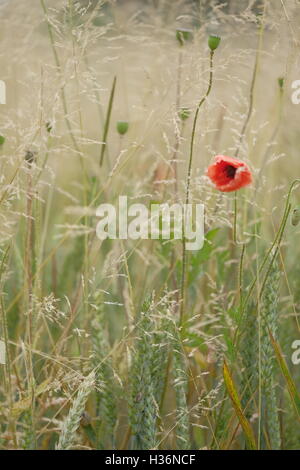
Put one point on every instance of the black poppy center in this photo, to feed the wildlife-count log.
(230, 171)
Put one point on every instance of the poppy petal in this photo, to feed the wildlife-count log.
(229, 174)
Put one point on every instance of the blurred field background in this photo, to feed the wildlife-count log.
(97, 356)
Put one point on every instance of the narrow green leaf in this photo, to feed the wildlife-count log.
(232, 391)
(107, 120)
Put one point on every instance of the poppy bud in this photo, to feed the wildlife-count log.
(184, 113)
(213, 42)
(2, 140)
(183, 35)
(122, 127)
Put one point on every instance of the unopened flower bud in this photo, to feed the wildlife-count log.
(213, 42)
(122, 127)
(2, 140)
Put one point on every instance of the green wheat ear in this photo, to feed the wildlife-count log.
(106, 408)
(142, 405)
(71, 424)
(29, 438)
(180, 382)
(269, 318)
(160, 359)
(249, 360)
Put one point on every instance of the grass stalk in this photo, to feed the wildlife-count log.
(187, 195)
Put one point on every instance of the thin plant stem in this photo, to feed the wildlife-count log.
(265, 159)
(188, 183)
(276, 243)
(178, 134)
(249, 113)
(58, 65)
(107, 120)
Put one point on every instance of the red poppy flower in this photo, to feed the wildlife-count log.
(229, 174)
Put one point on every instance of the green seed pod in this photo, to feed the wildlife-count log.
(183, 35)
(296, 216)
(213, 42)
(184, 113)
(122, 127)
(2, 140)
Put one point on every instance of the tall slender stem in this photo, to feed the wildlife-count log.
(58, 66)
(249, 113)
(178, 133)
(188, 186)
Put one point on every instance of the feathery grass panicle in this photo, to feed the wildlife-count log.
(71, 424)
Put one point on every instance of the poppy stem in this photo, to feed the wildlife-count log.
(235, 218)
(188, 185)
